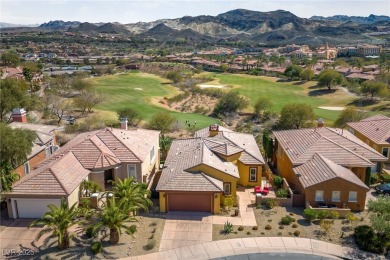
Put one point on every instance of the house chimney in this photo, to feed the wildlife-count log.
(19, 115)
(213, 130)
(320, 122)
(124, 123)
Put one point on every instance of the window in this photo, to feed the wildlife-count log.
(47, 151)
(336, 196)
(151, 155)
(319, 195)
(132, 171)
(27, 168)
(226, 188)
(252, 174)
(385, 152)
(352, 196)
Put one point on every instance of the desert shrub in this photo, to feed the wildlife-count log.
(258, 206)
(278, 181)
(240, 228)
(333, 214)
(152, 236)
(228, 202)
(89, 232)
(151, 244)
(270, 203)
(297, 233)
(153, 231)
(295, 225)
(291, 214)
(310, 214)
(282, 193)
(270, 220)
(96, 247)
(385, 178)
(286, 220)
(367, 239)
(281, 227)
(280, 233)
(325, 225)
(248, 233)
(268, 227)
(374, 178)
(323, 214)
(255, 228)
(227, 228)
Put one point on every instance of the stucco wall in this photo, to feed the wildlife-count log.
(74, 197)
(244, 171)
(34, 161)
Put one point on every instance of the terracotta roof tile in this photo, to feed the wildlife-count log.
(319, 169)
(376, 128)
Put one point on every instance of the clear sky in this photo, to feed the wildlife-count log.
(130, 11)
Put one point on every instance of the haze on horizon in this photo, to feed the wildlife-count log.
(125, 11)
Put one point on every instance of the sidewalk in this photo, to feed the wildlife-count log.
(239, 246)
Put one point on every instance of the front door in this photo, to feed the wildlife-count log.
(108, 178)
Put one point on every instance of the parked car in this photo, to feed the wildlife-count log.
(383, 189)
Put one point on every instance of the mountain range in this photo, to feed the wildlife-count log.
(273, 27)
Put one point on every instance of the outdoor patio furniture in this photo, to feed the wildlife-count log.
(262, 190)
(321, 205)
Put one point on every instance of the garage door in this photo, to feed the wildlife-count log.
(189, 202)
(33, 208)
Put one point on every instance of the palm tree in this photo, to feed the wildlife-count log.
(89, 187)
(165, 144)
(132, 194)
(114, 217)
(57, 221)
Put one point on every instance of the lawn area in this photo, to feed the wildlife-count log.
(137, 90)
(281, 93)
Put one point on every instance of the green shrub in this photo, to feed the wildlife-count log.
(255, 228)
(385, 178)
(240, 228)
(270, 220)
(323, 214)
(282, 193)
(248, 233)
(227, 228)
(153, 231)
(374, 178)
(96, 247)
(268, 227)
(281, 227)
(310, 214)
(280, 233)
(334, 215)
(367, 239)
(297, 233)
(286, 220)
(152, 236)
(151, 244)
(89, 232)
(278, 181)
(295, 225)
(270, 203)
(228, 202)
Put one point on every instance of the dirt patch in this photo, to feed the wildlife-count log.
(194, 103)
(340, 232)
(333, 108)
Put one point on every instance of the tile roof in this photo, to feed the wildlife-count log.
(376, 128)
(59, 177)
(67, 167)
(45, 129)
(301, 144)
(205, 131)
(319, 169)
(185, 155)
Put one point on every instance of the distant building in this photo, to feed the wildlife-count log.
(369, 50)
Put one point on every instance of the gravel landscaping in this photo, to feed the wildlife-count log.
(340, 232)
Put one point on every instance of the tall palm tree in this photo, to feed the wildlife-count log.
(114, 216)
(57, 221)
(132, 194)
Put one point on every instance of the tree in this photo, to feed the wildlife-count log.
(224, 67)
(132, 195)
(262, 105)
(380, 217)
(296, 115)
(349, 114)
(32, 66)
(13, 94)
(268, 145)
(307, 74)
(57, 221)
(89, 187)
(27, 74)
(80, 85)
(374, 88)
(165, 144)
(59, 108)
(132, 115)
(293, 71)
(16, 145)
(87, 100)
(99, 61)
(86, 61)
(114, 217)
(7, 178)
(329, 78)
(174, 76)
(162, 121)
(10, 59)
(230, 104)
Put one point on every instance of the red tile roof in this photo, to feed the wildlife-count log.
(375, 128)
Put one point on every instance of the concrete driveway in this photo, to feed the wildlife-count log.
(17, 236)
(186, 228)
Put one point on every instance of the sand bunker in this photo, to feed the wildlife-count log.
(333, 108)
(138, 89)
(211, 86)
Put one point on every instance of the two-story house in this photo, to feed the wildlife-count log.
(101, 156)
(200, 172)
(375, 132)
(325, 164)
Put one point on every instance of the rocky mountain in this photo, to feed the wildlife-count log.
(59, 24)
(355, 19)
(112, 28)
(84, 28)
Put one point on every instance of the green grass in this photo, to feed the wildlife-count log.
(281, 94)
(124, 91)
